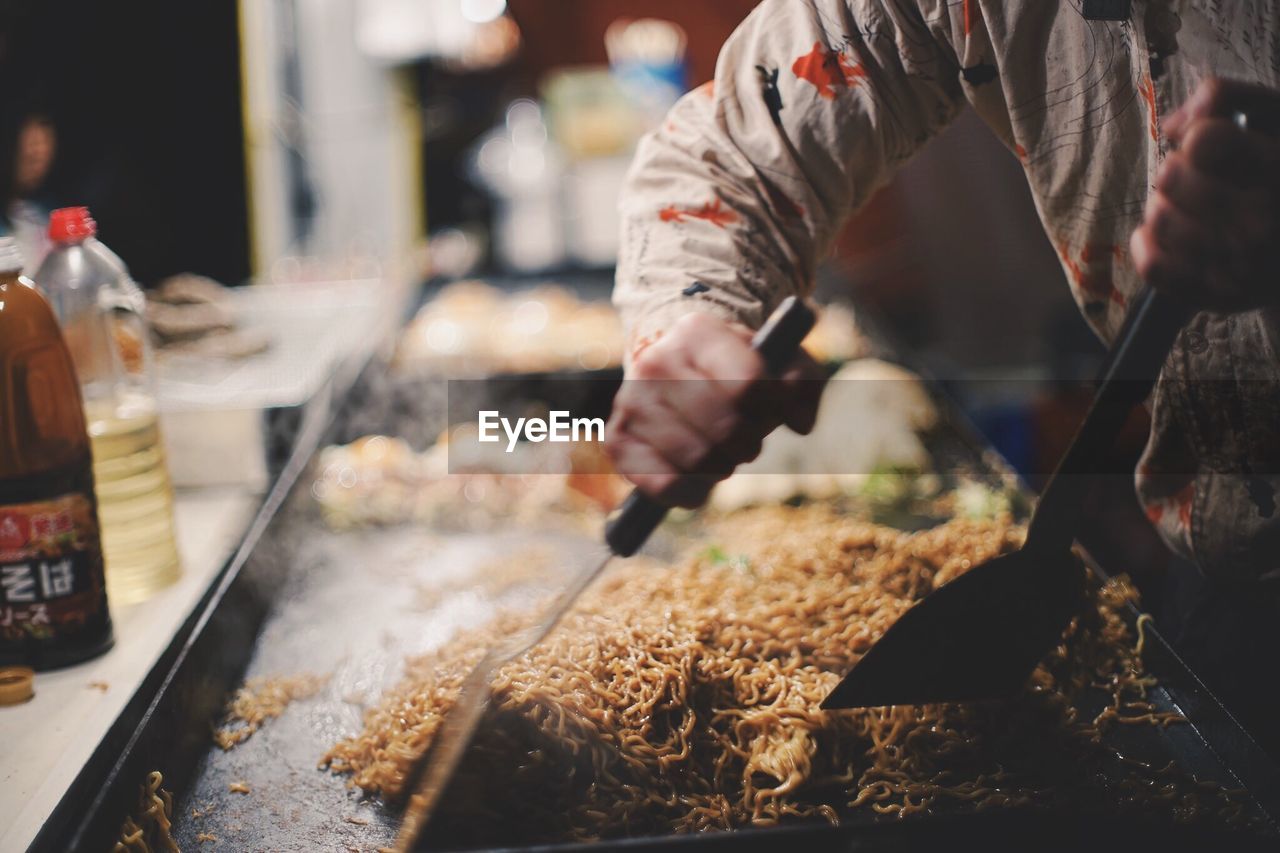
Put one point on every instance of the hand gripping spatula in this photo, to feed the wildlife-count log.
(777, 342)
(980, 635)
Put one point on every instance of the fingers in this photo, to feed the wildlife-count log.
(1177, 231)
(1174, 274)
(679, 444)
(1179, 253)
(1192, 260)
(696, 404)
(1218, 148)
(1209, 234)
(765, 402)
(652, 474)
(644, 438)
(1222, 99)
(723, 352)
(727, 368)
(1201, 194)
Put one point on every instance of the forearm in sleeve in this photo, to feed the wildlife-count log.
(729, 205)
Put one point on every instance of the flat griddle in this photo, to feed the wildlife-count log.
(352, 610)
(299, 597)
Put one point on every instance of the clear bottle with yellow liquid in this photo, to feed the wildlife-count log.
(101, 312)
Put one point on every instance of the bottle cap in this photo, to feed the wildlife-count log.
(71, 224)
(10, 255)
(16, 684)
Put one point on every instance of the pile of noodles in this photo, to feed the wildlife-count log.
(685, 698)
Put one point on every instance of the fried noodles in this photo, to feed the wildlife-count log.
(260, 700)
(150, 828)
(685, 698)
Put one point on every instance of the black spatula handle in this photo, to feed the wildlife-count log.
(1131, 370)
(778, 342)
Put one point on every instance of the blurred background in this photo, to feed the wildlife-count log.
(314, 142)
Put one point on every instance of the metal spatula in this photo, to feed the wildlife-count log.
(777, 342)
(980, 635)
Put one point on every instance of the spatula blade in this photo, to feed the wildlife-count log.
(976, 637)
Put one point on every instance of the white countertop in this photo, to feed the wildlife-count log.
(45, 742)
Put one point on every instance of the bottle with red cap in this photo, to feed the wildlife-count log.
(101, 310)
(53, 604)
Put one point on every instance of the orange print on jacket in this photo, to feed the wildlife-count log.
(1094, 284)
(828, 70)
(1148, 92)
(1181, 501)
(714, 212)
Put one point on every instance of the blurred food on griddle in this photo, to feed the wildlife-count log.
(378, 480)
(473, 328)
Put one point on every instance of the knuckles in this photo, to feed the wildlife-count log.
(657, 362)
(733, 415)
(1218, 146)
(722, 429)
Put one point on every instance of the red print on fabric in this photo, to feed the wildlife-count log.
(1148, 93)
(1094, 284)
(714, 212)
(1180, 501)
(828, 70)
(644, 343)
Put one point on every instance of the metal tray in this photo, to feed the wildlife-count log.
(297, 598)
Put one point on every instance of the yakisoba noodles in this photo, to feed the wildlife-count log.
(262, 699)
(150, 828)
(685, 698)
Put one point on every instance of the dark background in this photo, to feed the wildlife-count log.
(145, 99)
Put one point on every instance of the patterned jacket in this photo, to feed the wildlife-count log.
(816, 102)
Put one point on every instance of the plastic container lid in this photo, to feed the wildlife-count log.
(10, 255)
(71, 224)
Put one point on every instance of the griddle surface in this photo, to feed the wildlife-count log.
(353, 609)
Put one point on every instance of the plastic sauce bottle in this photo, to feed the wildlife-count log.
(53, 601)
(101, 311)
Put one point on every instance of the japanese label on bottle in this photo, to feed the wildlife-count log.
(51, 581)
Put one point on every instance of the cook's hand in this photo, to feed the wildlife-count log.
(1211, 232)
(697, 403)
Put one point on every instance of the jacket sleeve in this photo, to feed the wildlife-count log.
(729, 205)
